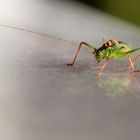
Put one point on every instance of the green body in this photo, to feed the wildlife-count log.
(110, 49)
(117, 50)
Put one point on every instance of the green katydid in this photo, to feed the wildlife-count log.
(110, 49)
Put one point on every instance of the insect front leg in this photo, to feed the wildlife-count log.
(80, 46)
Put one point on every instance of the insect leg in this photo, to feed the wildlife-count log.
(136, 58)
(80, 45)
(131, 64)
(103, 67)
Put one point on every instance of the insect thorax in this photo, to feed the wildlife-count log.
(111, 49)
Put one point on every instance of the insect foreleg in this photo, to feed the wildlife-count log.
(80, 46)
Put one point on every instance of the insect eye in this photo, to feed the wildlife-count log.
(113, 42)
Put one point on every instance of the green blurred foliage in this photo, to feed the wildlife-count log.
(125, 9)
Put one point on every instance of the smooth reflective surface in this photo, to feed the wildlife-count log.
(41, 98)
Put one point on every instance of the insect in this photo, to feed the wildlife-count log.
(110, 49)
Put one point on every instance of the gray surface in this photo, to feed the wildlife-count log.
(41, 98)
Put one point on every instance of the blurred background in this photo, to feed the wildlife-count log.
(75, 20)
(41, 98)
(125, 9)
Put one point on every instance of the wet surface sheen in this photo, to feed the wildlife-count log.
(41, 98)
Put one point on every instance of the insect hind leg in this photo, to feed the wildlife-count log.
(136, 58)
(133, 61)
